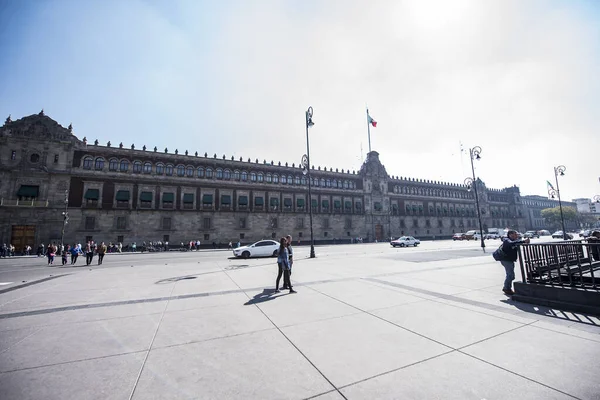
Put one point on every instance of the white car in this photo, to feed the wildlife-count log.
(405, 241)
(263, 248)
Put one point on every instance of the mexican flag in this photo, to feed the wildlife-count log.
(371, 120)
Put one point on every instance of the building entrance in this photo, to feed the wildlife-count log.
(379, 232)
(22, 235)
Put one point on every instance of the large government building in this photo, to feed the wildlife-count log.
(125, 194)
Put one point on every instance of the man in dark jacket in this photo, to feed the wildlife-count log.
(510, 248)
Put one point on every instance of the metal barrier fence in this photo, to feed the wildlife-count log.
(569, 264)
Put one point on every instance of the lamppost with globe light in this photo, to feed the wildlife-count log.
(65, 215)
(305, 163)
(560, 170)
(471, 183)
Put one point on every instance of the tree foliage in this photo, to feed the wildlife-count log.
(552, 215)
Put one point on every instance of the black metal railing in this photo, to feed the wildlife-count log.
(568, 264)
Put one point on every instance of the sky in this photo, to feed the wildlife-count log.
(517, 78)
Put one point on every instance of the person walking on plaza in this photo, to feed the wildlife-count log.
(64, 254)
(283, 263)
(50, 253)
(74, 254)
(101, 252)
(288, 240)
(507, 254)
(89, 253)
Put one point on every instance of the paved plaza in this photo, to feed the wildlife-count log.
(368, 322)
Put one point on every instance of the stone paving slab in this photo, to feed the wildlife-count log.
(454, 327)
(110, 378)
(565, 362)
(452, 376)
(355, 347)
(259, 365)
(73, 342)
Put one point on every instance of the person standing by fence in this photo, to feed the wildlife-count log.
(507, 254)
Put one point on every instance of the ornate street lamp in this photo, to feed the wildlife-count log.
(553, 193)
(306, 166)
(474, 153)
(65, 215)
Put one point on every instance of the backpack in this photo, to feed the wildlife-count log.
(499, 254)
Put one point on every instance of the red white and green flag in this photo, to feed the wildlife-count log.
(371, 120)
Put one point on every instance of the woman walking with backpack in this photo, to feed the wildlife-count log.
(283, 262)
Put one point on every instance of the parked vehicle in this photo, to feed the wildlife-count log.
(492, 236)
(263, 248)
(559, 235)
(543, 232)
(405, 241)
(531, 235)
(458, 236)
(585, 233)
(472, 235)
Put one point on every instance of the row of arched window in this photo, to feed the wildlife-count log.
(419, 191)
(139, 167)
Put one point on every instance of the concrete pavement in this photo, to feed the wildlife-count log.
(368, 321)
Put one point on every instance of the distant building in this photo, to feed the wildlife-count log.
(583, 205)
(534, 206)
(127, 194)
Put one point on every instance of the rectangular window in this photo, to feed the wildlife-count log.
(300, 204)
(90, 223)
(300, 222)
(122, 198)
(207, 200)
(28, 193)
(146, 199)
(206, 223)
(273, 222)
(121, 222)
(120, 239)
(242, 235)
(166, 223)
(402, 224)
(242, 223)
(56, 159)
(427, 224)
(206, 236)
(325, 234)
(242, 202)
(326, 223)
(167, 200)
(259, 201)
(299, 234)
(13, 155)
(88, 239)
(348, 223)
(91, 197)
(166, 239)
(440, 223)
(188, 201)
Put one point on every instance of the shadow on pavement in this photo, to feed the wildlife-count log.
(554, 313)
(266, 295)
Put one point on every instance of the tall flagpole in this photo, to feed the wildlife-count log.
(369, 129)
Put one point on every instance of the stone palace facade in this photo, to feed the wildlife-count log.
(127, 194)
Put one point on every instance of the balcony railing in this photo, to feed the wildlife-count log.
(24, 203)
